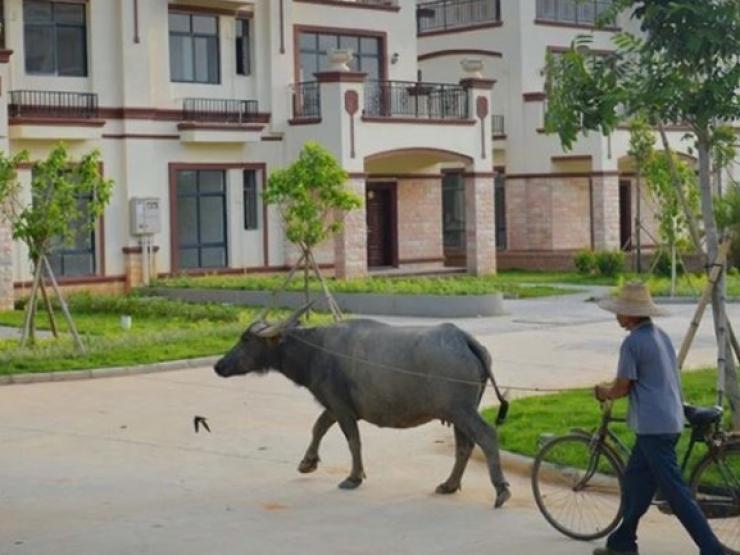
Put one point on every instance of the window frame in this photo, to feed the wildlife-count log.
(54, 27)
(243, 50)
(338, 33)
(192, 35)
(250, 199)
(198, 195)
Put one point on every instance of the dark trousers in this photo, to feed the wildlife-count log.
(653, 465)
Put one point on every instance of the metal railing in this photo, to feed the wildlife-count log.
(219, 110)
(410, 99)
(388, 3)
(497, 124)
(577, 12)
(53, 104)
(306, 99)
(452, 14)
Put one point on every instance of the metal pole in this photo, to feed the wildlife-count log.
(638, 222)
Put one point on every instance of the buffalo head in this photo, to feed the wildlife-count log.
(255, 348)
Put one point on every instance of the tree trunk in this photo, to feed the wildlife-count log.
(28, 320)
(306, 292)
(49, 311)
(690, 219)
(638, 222)
(727, 375)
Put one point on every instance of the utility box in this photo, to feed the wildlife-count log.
(146, 218)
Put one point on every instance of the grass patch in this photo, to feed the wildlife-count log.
(559, 413)
(162, 330)
(426, 285)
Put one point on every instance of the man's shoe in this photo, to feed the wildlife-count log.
(607, 551)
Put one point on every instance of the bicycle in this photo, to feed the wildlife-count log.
(576, 478)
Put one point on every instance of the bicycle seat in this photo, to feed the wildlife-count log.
(702, 416)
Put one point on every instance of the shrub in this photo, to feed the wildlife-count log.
(609, 263)
(136, 305)
(662, 264)
(585, 262)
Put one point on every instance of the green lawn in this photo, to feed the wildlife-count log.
(162, 330)
(559, 413)
(422, 285)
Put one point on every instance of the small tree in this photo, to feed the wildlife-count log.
(311, 196)
(53, 216)
(641, 150)
(673, 226)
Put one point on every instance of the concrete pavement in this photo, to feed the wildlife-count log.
(113, 467)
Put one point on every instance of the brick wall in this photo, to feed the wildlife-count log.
(606, 212)
(6, 268)
(571, 221)
(350, 245)
(420, 220)
(480, 226)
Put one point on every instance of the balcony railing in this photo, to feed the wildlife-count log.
(219, 110)
(497, 125)
(441, 15)
(306, 100)
(574, 12)
(53, 104)
(418, 100)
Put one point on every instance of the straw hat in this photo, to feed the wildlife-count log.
(632, 300)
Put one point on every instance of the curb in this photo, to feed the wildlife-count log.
(72, 375)
(512, 462)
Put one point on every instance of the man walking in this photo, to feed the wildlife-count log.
(648, 373)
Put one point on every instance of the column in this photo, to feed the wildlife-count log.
(350, 244)
(480, 225)
(605, 211)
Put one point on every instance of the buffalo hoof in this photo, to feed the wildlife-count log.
(308, 465)
(350, 483)
(446, 488)
(503, 494)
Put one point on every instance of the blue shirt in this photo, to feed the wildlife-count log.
(648, 359)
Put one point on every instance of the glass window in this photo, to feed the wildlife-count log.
(55, 37)
(201, 219)
(250, 200)
(243, 51)
(76, 257)
(314, 49)
(453, 210)
(194, 48)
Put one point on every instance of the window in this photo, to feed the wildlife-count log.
(314, 53)
(243, 52)
(251, 220)
(453, 210)
(575, 12)
(201, 218)
(194, 56)
(55, 37)
(78, 257)
(500, 210)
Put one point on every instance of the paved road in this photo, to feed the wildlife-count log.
(112, 466)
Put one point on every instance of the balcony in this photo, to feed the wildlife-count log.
(391, 5)
(220, 120)
(306, 102)
(577, 13)
(410, 100)
(450, 15)
(54, 115)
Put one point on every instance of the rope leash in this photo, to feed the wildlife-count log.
(354, 360)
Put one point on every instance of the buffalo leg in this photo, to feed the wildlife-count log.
(311, 459)
(352, 433)
(485, 436)
(463, 448)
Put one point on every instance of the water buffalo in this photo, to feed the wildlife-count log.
(391, 376)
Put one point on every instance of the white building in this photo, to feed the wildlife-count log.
(548, 202)
(194, 102)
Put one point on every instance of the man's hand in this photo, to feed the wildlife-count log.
(619, 388)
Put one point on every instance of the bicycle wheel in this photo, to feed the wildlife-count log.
(578, 488)
(715, 484)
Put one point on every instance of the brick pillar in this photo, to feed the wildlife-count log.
(605, 199)
(350, 244)
(480, 227)
(133, 264)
